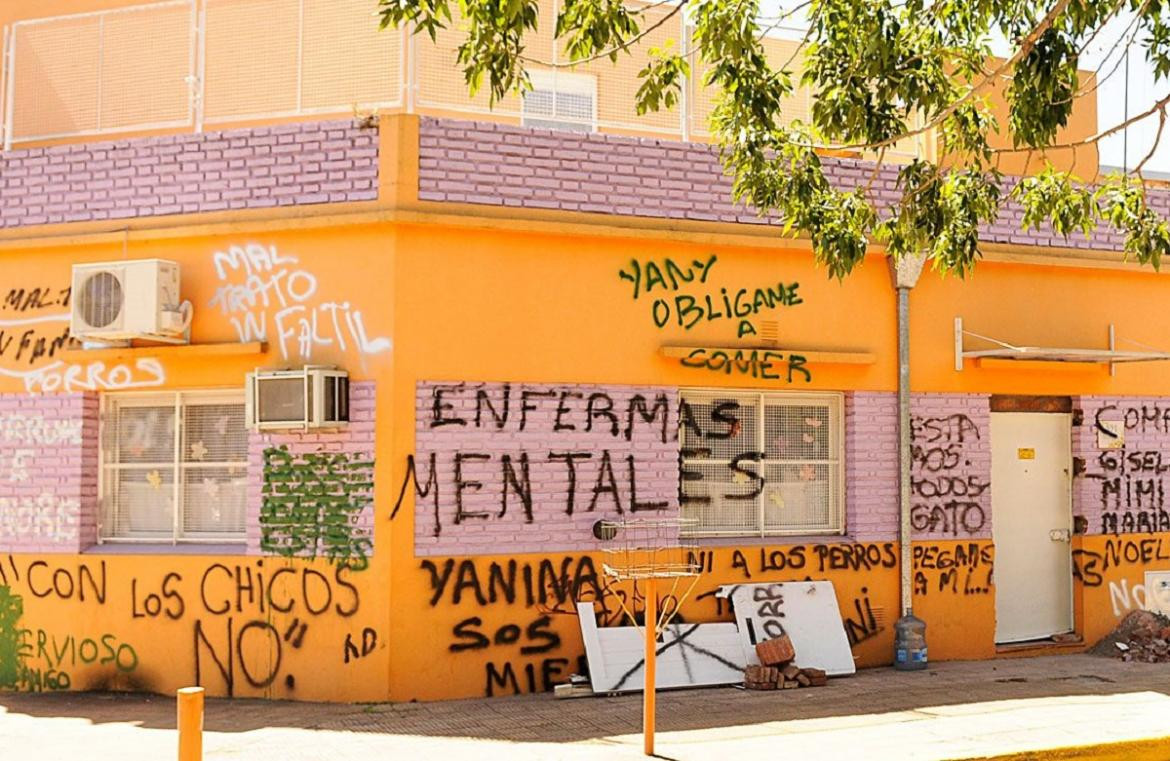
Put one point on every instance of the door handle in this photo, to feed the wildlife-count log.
(1060, 535)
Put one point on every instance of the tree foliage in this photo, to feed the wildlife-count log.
(883, 71)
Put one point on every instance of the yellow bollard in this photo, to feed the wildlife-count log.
(191, 724)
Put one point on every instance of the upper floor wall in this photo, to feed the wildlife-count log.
(74, 69)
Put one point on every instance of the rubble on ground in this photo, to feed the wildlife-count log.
(778, 672)
(1141, 637)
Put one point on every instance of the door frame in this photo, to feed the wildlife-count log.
(1053, 405)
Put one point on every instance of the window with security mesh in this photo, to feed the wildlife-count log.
(560, 100)
(761, 464)
(174, 467)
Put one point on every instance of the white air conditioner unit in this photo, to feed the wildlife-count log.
(118, 301)
(312, 397)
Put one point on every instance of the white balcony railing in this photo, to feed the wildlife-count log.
(186, 64)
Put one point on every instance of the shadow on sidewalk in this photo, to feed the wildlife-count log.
(530, 718)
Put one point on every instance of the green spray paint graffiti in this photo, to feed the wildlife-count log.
(735, 304)
(33, 660)
(11, 609)
(314, 505)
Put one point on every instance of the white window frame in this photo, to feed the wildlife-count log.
(835, 401)
(554, 81)
(179, 400)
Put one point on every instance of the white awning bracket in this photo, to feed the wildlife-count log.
(1002, 350)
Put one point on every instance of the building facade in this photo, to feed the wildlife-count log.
(542, 329)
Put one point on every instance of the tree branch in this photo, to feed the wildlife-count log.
(1026, 46)
(624, 45)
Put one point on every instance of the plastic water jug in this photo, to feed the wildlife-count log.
(910, 643)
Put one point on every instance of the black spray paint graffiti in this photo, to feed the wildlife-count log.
(241, 619)
(595, 478)
(235, 608)
(315, 505)
(688, 310)
(947, 496)
(31, 345)
(861, 623)
(27, 344)
(352, 650)
(965, 569)
(25, 299)
(1090, 566)
(603, 476)
(1132, 481)
(526, 644)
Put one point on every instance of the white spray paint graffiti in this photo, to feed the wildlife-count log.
(145, 372)
(18, 463)
(35, 429)
(46, 516)
(271, 291)
(1137, 597)
(93, 376)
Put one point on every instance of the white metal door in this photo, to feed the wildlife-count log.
(1031, 523)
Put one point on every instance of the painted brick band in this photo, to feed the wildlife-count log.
(1122, 453)
(283, 165)
(523, 465)
(951, 474)
(531, 468)
(48, 472)
(504, 165)
(311, 527)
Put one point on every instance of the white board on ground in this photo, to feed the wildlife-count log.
(689, 655)
(806, 611)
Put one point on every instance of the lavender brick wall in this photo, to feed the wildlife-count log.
(283, 165)
(48, 472)
(472, 423)
(356, 438)
(951, 473)
(950, 477)
(871, 466)
(543, 425)
(503, 165)
(1121, 491)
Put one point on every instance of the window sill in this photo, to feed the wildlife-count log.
(755, 540)
(163, 548)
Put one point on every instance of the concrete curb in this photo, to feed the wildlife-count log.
(1152, 749)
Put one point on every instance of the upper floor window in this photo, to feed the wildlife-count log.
(561, 100)
(761, 464)
(174, 467)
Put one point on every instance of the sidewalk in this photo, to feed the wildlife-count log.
(983, 709)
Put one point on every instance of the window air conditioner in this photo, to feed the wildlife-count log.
(312, 397)
(118, 301)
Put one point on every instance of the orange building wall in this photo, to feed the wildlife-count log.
(478, 304)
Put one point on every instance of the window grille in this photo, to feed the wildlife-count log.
(559, 100)
(764, 464)
(174, 467)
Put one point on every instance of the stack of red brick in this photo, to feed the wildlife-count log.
(778, 671)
